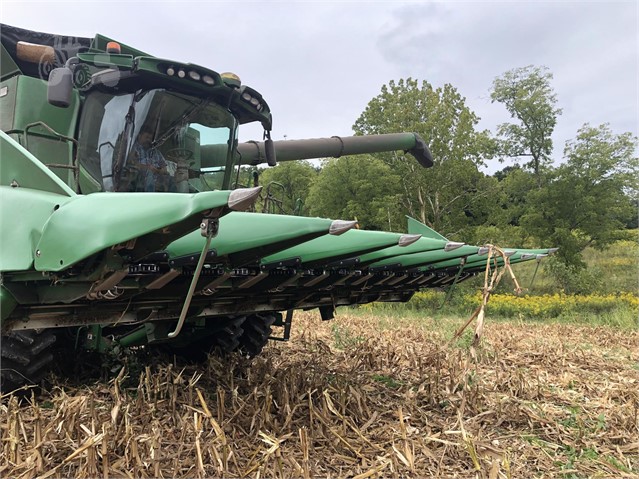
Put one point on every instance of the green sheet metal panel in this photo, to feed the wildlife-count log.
(21, 167)
(102, 220)
(23, 103)
(8, 91)
(8, 67)
(50, 150)
(333, 248)
(416, 227)
(476, 261)
(520, 256)
(31, 98)
(23, 213)
(449, 263)
(250, 234)
(420, 246)
(421, 259)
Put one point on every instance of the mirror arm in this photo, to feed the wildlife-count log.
(269, 149)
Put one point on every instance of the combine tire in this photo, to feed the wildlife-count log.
(257, 330)
(228, 339)
(224, 340)
(26, 356)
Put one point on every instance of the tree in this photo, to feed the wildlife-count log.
(287, 185)
(589, 197)
(440, 196)
(529, 98)
(515, 184)
(352, 187)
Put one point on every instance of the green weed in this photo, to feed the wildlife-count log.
(613, 461)
(344, 338)
(387, 381)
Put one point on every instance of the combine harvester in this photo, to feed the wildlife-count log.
(118, 226)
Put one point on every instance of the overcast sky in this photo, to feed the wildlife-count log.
(319, 63)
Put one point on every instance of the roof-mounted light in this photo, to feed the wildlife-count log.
(181, 73)
(254, 102)
(231, 79)
(208, 80)
(193, 75)
(113, 47)
(170, 71)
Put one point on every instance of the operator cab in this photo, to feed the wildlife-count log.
(156, 141)
(108, 117)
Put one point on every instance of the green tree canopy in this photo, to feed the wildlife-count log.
(530, 99)
(440, 196)
(589, 197)
(287, 185)
(352, 187)
(515, 183)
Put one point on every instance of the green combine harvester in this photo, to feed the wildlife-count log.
(119, 227)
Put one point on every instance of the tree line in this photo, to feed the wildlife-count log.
(588, 198)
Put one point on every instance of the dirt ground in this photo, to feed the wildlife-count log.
(359, 396)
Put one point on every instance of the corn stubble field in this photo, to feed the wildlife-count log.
(361, 396)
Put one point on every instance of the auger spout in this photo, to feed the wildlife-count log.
(254, 152)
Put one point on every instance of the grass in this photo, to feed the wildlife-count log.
(344, 338)
(619, 311)
(615, 303)
(365, 395)
(615, 270)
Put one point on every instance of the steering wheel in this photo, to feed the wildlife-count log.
(179, 155)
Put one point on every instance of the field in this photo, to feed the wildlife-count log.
(365, 395)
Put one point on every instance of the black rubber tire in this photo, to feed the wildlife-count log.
(257, 330)
(228, 339)
(223, 341)
(26, 357)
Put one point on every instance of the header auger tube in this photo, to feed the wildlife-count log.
(254, 153)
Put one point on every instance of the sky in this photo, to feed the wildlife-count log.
(318, 64)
